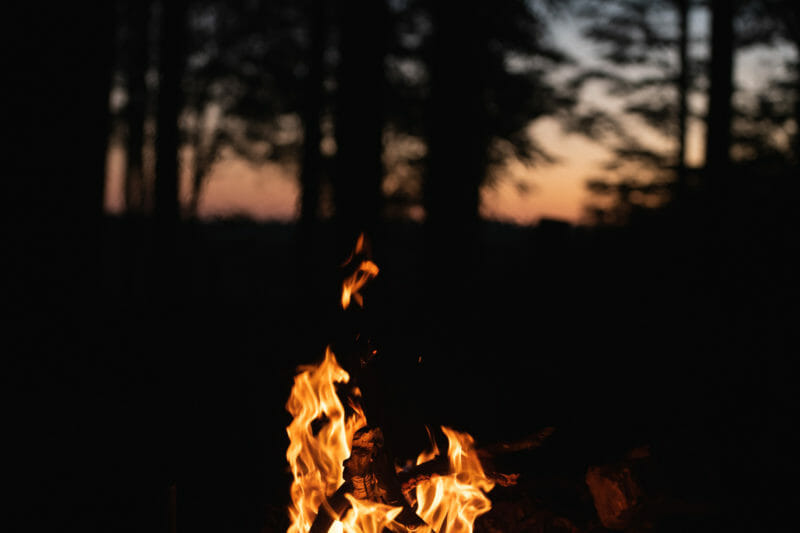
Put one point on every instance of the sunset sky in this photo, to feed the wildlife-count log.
(271, 192)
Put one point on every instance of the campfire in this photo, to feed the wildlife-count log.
(343, 477)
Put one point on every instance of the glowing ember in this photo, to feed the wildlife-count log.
(321, 440)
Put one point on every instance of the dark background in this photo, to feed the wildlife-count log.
(154, 349)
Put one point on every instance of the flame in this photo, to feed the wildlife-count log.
(452, 503)
(316, 457)
(366, 516)
(366, 270)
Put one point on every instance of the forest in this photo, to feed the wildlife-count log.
(149, 350)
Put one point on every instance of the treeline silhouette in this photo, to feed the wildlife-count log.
(154, 349)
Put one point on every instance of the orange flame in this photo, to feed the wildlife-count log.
(367, 517)
(316, 457)
(452, 503)
(365, 271)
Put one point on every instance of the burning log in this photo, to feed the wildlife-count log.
(440, 466)
(332, 509)
(617, 494)
(527, 443)
(369, 475)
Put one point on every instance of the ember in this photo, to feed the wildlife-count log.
(343, 479)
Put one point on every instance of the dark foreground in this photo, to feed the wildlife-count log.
(642, 349)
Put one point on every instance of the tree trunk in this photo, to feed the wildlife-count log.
(359, 119)
(718, 123)
(170, 66)
(457, 131)
(309, 253)
(683, 90)
(458, 138)
(165, 356)
(136, 44)
(796, 140)
(312, 113)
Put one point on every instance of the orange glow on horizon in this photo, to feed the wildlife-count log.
(271, 192)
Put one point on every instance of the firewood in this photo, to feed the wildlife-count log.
(332, 509)
(440, 465)
(528, 443)
(369, 475)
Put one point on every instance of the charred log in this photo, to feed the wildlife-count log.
(369, 475)
(528, 443)
(332, 509)
(440, 465)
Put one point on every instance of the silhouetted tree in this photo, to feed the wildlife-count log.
(311, 164)
(171, 64)
(646, 47)
(313, 171)
(244, 84)
(720, 93)
(458, 142)
(488, 68)
(764, 117)
(484, 77)
(359, 118)
(135, 45)
(682, 7)
(518, 87)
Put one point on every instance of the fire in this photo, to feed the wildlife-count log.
(366, 270)
(321, 440)
(316, 455)
(452, 503)
(366, 516)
